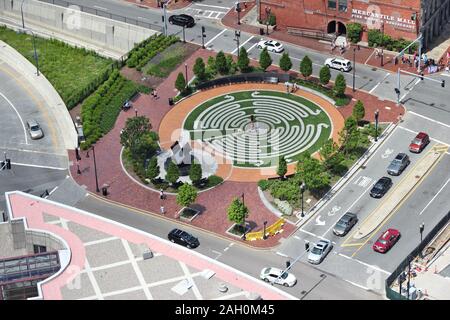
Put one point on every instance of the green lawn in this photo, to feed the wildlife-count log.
(73, 72)
(169, 60)
(245, 101)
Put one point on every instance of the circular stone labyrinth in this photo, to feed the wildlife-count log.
(254, 128)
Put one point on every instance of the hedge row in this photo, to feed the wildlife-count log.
(101, 109)
(376, 38)
(340, 101)
(141, 54)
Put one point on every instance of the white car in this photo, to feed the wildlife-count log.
(271, 45)
(272, 275)
(319, 252)
(339, 64)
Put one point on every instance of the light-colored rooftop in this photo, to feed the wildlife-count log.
(107, 260)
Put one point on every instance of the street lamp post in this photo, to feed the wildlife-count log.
(21, 12)
(421, 228)
(382, 42)
(354, 67)
(302, 190)
(203, 37)
(237, 34)
(243, 202)
(184, 33)
(95, 168)
(135, 112)
(376, 124)
(264, 234)
(186, 73)
(238, 9)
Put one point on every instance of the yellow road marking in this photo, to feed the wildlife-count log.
(399, 205)
(352, 244)
(38, 103)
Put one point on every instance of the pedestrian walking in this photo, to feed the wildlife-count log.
(161, 194)
(162, 210)
(155, 94)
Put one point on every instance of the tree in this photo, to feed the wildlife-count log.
(200, 69)
(285, 62)
(325, 75)
(237, 212)
(153, 168)
(264, 59)
(358, 111)
(180, 83)
(144, 146)
(243, 60)
(339, 85)
(135, 129)
(354, 31)
(306, 67)
(211, 67)
(187, 195)
(195, 173)
(349, 136)
(329, 154)
(173, 173)
(221, 63)
(282, 167)
(312, 172)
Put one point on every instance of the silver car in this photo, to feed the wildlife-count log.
(34, 129)
(320, 251)
(399, 164)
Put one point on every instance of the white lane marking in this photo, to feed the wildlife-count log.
(319, 222)
(445, 74)
(243, 44)
(101, 8)
(215, 37)
(208, 5)
(20, 118)
(37, 166)
(429, 119)
(434, 198)
(407, 92)
(143, 18)
(252, 47)
(369, 57)
(364, 264)
(416, 132)
(351, 206)
(281, 254)
(210, 14)
(374, 88)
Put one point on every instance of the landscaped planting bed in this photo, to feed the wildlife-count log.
(147, 49)
(100, 110)
(74, 72)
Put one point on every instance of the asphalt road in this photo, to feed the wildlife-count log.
(312, 283)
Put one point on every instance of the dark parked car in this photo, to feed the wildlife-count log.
(381, 187)
(419, 143)
(386, 241)
(345, 223)
(182, 20)
(399, 164)
(184, 238)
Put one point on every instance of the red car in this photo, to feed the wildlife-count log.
(419, 142)
(386, 241)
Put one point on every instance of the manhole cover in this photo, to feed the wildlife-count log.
(374, 69)
(432, 104)
(303, 292)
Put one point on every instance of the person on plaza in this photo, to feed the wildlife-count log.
(162, 210)
(155, 94)
(161, 194)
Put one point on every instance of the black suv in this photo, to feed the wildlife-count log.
(381, 187)
(184, 238)
(182, 20)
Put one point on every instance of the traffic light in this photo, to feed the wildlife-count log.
(443, 84)
(421, 76)
(288, 264)
(203, 32)
(238, 6)
(397, 91)
(307, 245)
(8, 164)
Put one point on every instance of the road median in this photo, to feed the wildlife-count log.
(401, 192)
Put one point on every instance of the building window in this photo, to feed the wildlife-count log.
(332, 4)
(39, 249)
(342, 5)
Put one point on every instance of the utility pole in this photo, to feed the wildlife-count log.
(21, 11)
(203, 37)
(164, 19)
(376, 124)
(382, 42)
(238, 10)
(354, 67)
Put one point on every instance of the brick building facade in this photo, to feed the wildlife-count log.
(329, 16)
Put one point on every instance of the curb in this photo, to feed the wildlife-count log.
(343, 180)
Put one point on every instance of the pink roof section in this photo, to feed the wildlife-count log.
(32, 208)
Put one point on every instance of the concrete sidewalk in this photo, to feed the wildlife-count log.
(401, 192)
(58, 110)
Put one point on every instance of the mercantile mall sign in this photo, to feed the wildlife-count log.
(374, 19)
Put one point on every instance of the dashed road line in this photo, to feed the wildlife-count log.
(243, 44)
(429, 119)
(37, 166)
(434, 197)
(407, 92)
(376, 86)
